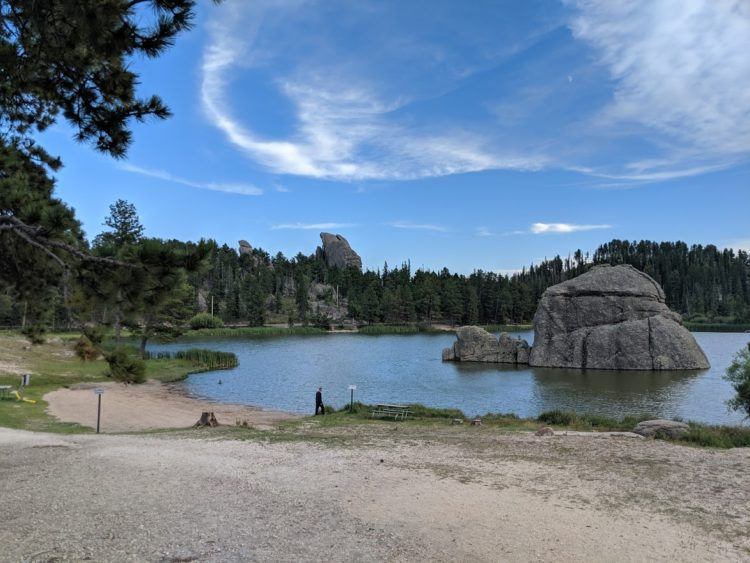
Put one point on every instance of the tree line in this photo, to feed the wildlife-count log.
(704, 283)
(176, 280)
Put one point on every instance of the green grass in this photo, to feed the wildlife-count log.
(52, 365)
(717, 436)
(206, 359)
(250, 331)
(507, 328)
(389, 329)
(699, 434)
(717, 327)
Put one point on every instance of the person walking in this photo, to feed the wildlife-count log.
(319, 402)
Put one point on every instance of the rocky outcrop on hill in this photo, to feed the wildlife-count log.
(337, 253)
(612, 317)
(245, 247)
(474, 344)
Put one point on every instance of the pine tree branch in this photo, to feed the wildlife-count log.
(34, 237)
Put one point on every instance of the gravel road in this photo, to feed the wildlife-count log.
(371, 493)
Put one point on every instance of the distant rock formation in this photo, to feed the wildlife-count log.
(474, 344)
(612, 317)
(337, 253)
(245, 247)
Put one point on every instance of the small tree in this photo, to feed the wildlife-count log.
(205, 320)
(125, 368)
(738, 374)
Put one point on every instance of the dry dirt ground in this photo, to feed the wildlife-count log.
(379, 492)
(151, 405)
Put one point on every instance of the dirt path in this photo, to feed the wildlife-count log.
(151, 405)
(376, 493)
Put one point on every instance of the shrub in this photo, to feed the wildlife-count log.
(738, 374)
(35, 333)
(205, 320)
(94, 333)
(125, 368)
(421, 411)
(557, 417)
(85, 349)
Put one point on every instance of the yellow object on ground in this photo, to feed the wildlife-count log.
(19, 398)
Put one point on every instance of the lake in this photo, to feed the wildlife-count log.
(284, 372)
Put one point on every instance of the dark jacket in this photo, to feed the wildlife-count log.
(318, 398)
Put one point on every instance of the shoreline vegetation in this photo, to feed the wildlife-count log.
(53, 366)
(369, 329)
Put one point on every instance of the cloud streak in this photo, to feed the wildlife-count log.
(241, 189)
(418, 226)
(311, 226)
(542, 228)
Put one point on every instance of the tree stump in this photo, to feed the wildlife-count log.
(207, 419)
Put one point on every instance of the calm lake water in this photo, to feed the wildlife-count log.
(284, 372)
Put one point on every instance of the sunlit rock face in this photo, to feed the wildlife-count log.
(612, 317)
(474, 344)
(337, 253)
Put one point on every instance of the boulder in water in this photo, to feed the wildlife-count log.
(474, 344)
(612, 317)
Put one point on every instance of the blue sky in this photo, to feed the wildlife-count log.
(462, 134)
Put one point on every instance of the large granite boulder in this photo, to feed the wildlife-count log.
(612, 317)
(666, 428)
(474, 344)
(337, 253)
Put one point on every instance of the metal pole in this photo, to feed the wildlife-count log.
(351, 403)
(98, 413)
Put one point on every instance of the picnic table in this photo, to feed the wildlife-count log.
(395, 411)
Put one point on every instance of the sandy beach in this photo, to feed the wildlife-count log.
(149, 406)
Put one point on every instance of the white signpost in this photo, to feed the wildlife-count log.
(98, 392)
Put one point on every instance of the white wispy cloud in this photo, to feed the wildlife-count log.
(418, 226)
(346, 129)
(242, 189)
(311, 226)
(681, 72)
(483, 232)
(678, 87)
(539, 228)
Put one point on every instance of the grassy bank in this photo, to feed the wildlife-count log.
(53, 365)
(717, 327)
(507, 328)
(250, 331)
(705, 435)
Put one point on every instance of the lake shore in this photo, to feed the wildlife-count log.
(149, 406)
(372, 492)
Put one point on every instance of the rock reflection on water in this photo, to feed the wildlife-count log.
(283, 373)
